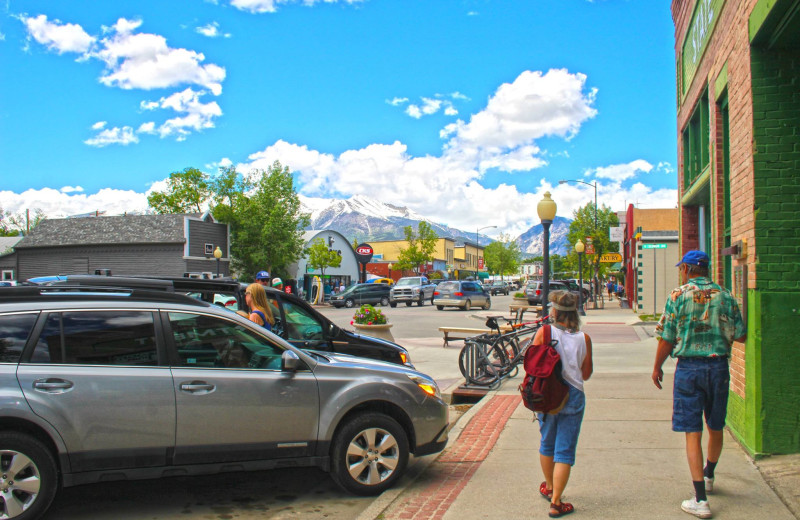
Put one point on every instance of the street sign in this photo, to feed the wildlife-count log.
(654, 246)
(610, 258)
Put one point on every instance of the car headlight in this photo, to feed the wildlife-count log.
(426, 385)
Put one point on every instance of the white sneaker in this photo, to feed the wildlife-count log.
(699, 509)
(709, 484)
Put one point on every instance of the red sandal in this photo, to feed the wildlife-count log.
(564, 508)
(546, 493)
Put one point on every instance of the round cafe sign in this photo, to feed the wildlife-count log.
(364, 253)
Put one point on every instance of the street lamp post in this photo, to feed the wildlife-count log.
(595, 285)
(579, 248)
(477, 248)
(547, 212)
(218, 255)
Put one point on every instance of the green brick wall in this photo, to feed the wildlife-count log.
(768, 419)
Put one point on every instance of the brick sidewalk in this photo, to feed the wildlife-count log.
(444, 480)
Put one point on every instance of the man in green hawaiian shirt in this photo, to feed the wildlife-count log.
(700, 322)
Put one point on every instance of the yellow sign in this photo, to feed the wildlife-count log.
(610, 258)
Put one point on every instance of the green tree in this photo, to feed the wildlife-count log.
(421, 246)
(187, 192)
(15, 224)
(266, 223)
(320, 257)
(582, 226)
(503, 256)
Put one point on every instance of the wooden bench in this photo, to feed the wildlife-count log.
(518, 309)
(464, 333)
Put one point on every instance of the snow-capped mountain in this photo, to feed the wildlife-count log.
(531, 241)
(364, 219)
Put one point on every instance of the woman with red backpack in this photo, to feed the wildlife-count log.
(560, 431)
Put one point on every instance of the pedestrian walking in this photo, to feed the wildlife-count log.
(700, 322)
(560, 431)
(610, 289)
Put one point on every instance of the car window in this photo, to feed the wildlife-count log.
(448, 286)
(14, 332)
(300, 324)
(98, 338)
(209, 341)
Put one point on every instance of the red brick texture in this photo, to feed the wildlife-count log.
(443, 481)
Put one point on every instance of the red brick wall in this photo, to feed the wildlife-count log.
(729, 44)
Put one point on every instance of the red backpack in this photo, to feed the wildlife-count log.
(543, 389)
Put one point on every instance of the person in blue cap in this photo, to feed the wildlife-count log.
(701, 321)
(262, 278)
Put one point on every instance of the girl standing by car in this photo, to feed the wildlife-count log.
(560, 431)
(260, 312)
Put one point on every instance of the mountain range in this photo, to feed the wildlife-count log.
(364, 219)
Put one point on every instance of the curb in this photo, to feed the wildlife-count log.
(383, 501)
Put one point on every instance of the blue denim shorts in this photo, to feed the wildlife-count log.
(560, 432)
(701, 389)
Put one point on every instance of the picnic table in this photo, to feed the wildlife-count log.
(519, 309)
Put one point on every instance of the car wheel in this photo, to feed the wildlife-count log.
(467, 305)
(30, 476)
(385, 301)
(369, 454)
(408, 304)
(488, 304)
(392, 304)
(440, 307)
(349, 303)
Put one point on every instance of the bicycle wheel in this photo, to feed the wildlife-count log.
(481, 363)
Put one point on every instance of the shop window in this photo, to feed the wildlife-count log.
(695, 140)
(726, 187)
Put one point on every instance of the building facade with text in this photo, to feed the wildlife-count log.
(738, 100)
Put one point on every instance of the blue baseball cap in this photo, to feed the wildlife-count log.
(262, 275)
(695, 257)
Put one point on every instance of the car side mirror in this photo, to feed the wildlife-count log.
(290, 362)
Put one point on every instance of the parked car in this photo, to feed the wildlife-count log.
(574, 287)
(513, 285)
(361, 293)
(498, 287)
(109, 383)
(533, 291)
(411, 289)
(295, 320)
(461, 293)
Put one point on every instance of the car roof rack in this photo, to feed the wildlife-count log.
(65, 291)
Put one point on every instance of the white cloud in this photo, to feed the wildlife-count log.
(429, 106)
(271, 6)
(450, 110)
(396, 101)
(71, 189)
(140, 61)
(458, 95)
(211, 30)
(57, 36)
(116, 135)
(621, 172)
(145, 61)
(57, 204)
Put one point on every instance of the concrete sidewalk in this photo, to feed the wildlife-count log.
(629, 462)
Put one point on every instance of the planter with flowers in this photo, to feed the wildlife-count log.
(520, 298)
(372, 322)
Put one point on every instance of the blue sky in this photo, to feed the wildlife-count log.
(465, 111)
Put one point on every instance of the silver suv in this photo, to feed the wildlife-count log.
(110, 383)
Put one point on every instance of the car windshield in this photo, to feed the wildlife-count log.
(409, 281)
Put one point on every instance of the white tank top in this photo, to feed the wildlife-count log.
(571, 347)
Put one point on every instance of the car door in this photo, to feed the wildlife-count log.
(233, 401)
(300, 326)
(95, 376)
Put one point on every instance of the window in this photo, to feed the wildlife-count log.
(8, 275)
(300, 325)
(696, 143)
(209, 341)
(124, 338)
(14, 332)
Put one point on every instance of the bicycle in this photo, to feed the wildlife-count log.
(487, 358)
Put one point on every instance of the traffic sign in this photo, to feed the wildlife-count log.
(654, 246)
(611, 258)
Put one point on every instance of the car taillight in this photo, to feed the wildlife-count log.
(436, 293)
(458, 294)
(538, 292)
